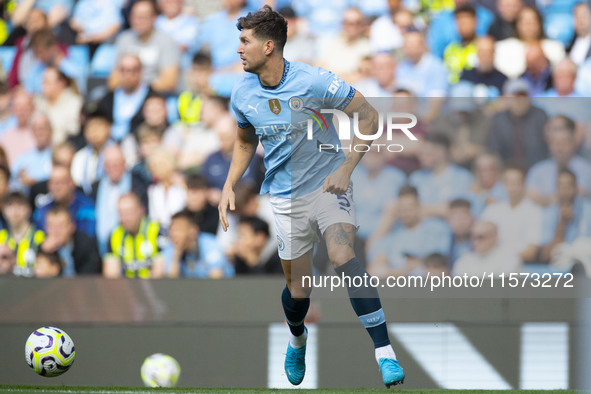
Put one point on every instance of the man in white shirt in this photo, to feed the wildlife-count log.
(488, 256)
(519, 220)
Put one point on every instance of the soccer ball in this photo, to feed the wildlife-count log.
(49, 351)
(160, 370)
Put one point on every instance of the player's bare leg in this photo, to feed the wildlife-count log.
(296, 301)
(340, 238)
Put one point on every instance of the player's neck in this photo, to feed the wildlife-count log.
(272, 72)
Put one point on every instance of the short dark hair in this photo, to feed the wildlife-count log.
(465, 9)
(201, 58)
(408, 190)
(53, 258)
(257, 225)
(197, 181)
(438, 138)
(60, 209)
(187, 215)
(436, 260)
(515, 166)
(566, 171)
(460, 203)
(152, 3)
(568, 122)
(15, 198)
(267, 25)
(44, 38)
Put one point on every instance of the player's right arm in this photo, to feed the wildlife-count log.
(244, 150)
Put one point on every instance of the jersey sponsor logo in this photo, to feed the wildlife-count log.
(275, 106)
(255, 108)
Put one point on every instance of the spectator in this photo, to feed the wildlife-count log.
(566, 220)
(159, 55)
(460, 55)
(107, 190)
(519, 220)
(376, 184)
(149, 141)
(542, 178)
(419, 71)
(436, 265)
(488, 187)
(62, 190)
(95, 22)
(485, 72)
(342, 55)
(88, 162)
(299, 46)
(216, 166)
(503, 26)
(48, 52)
(154, 114)
(382, 82)
(489, 256)
(134, 248)
(439, 181)
(510, 53)
(176, 24)
(19, 139)
(384, 34)
(77, 250)
(193, 254)
(61, 155)
(218, 32)
(537, 70)
(62, 103)
(56, 11)
(563, 80)
(35, 165)
(516, 133)
(206, 215)
(253, 235)
(165, 197)
(190, 101)
(124, 105)
(444, 29)
(47, 265)
(4, 190)
(21, 236)
(460, 221)
(24, 57)
(413, 238)
(7, 119)
(579, 48)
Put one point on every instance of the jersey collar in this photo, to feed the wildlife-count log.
(285, 71)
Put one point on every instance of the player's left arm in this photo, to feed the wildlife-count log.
(338, 181)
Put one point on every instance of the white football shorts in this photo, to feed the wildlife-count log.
(297, 220)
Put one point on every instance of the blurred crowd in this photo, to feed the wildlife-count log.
(116, 136)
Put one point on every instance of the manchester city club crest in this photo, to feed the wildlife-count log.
(296, 103)
(280, 243)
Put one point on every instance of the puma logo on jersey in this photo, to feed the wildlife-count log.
(255, 109)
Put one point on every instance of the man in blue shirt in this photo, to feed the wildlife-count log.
(309, 186)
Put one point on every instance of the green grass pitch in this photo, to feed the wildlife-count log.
(136, 390)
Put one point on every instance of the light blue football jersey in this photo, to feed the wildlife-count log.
(281, 116)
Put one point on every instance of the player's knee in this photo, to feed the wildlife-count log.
(341, 256)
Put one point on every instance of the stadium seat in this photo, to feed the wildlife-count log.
(6, 57)
(103, 61)
(79, 55)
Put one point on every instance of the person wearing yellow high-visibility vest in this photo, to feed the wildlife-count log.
(21, 236)
(134, 247)
(190, 101)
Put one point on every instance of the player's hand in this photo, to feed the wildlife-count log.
(226, 199)
(337, 182)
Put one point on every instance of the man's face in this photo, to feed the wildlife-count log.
(248, 239)
(17, 213)
(61, 186)
(514, 184)
(59, 227)
(196, 199)
(409, 210)
(563, 78)
(484, 237)
(414, 46)
(171, 8)
(41, 129)
(131, 73)
(52, 85)
(97, 132)
(486, 54)
(562, 144)
(36, 21)
(44, 268)
(431, 155)
(114, 164)
(130, 214)
(178, 230)
(466, 25)
(353, 24)
(251, 51)
(567, 188)
(460, 220)
(487, 171)
(43, 53)
(508, 9)
(155, 111)
(22, 107)
(142, 18)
